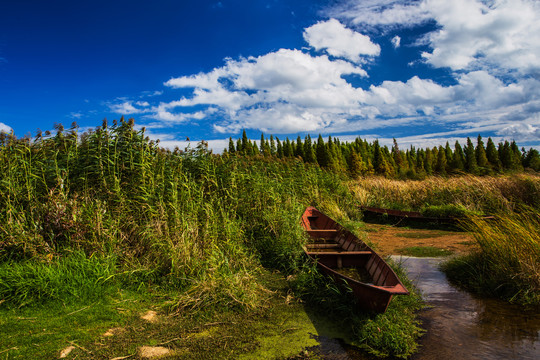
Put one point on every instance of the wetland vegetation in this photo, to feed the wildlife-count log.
(505, 262)
(97, 228)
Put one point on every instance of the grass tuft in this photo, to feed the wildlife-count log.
(74, 277)
(506, 263)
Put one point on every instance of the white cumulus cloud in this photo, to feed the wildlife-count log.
(128, 108)
(4, 128)
(340, 41)
(470, 33)
(283, 91)
(396, 41)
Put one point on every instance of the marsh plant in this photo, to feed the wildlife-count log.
(451, 196)
(143, 216)
(506, 263)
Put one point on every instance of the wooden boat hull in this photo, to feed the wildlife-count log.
(415, 215)
(339, 253)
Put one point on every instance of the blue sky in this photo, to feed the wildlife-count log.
(422, 71)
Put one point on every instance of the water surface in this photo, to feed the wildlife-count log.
(461, 326)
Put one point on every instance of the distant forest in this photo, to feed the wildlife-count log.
(362, 158)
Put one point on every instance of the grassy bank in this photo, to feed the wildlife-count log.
(127, 323)
(452, 196)
(506, 264)
(86, 219)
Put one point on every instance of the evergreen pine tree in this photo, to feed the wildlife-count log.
(428, 159)
(272, 145)
(333, 163)
(440, 168)
(518, 156)
(506, 155)
(231, 146)
(532, 159)
(239, 146)
(279, 149)
(309, 153)
(322, 152)
(398, 159)
(244, 142)
(470, 158)
(449, 157)
(254, 148)
(377, 156)
(267, 151)
(481, 158)
(492, 155)
(357, 167)
(299, 150)
(434, 156)
(459, 158)
(261, 145)
(420, 168)
(287, 148)
(411, 161)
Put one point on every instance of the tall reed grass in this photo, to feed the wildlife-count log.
(474, 194)
(187, 220)
(507, 262)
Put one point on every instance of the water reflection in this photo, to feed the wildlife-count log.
(460, 326)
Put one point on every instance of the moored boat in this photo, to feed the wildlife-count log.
(344, 257)
(414, 215)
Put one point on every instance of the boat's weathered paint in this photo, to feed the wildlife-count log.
(334, 247)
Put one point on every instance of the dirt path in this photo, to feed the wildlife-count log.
(390, 239)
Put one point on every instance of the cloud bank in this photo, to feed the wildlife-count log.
(491, 49)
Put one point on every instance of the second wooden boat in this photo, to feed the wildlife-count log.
(341, 255)
(415, 215)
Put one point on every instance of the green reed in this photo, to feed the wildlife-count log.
(506, 263)
(177, 218)
(452, 196)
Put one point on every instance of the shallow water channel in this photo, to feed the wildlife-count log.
(460, 326)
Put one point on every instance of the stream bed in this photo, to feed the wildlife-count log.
(461, 326)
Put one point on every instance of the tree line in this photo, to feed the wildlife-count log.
(363, 158)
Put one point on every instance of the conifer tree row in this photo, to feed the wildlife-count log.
(363, 158)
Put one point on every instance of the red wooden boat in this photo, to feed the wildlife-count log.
(344, 257)
(415, 215)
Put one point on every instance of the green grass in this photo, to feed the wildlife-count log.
(505, 263)
(41, 332)
(424, 251)
(74, 277)
(282, 328)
